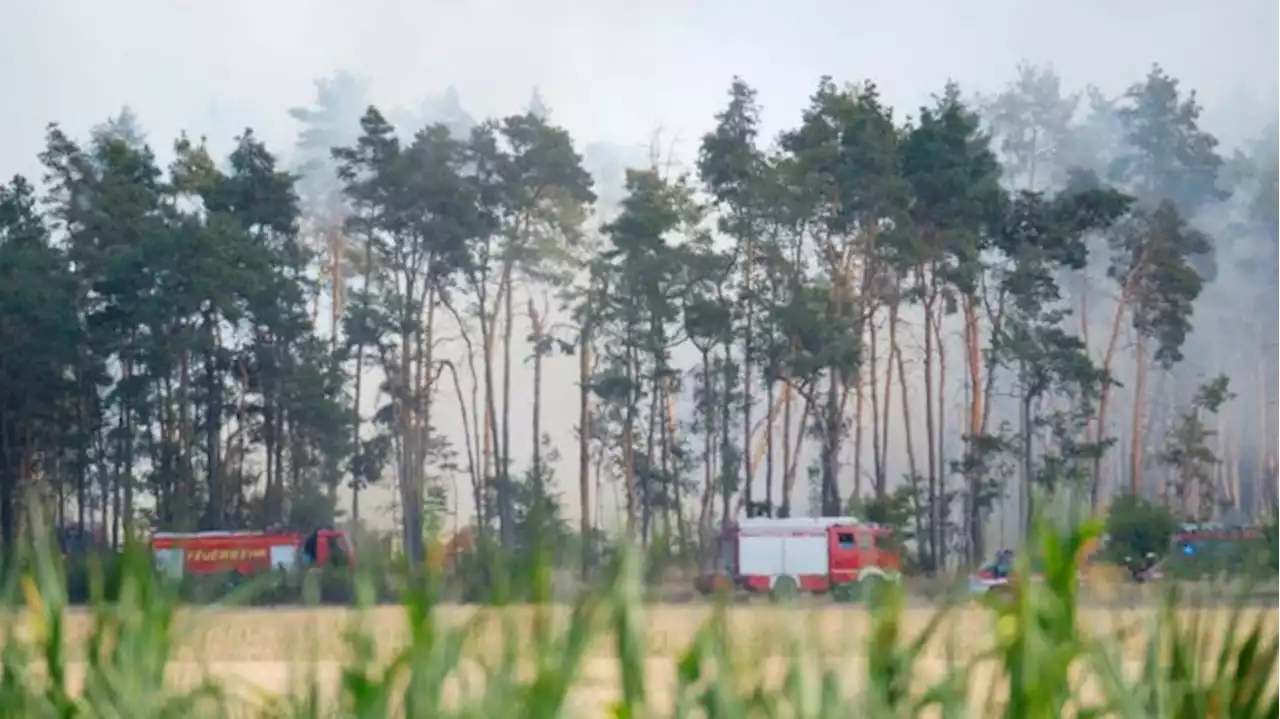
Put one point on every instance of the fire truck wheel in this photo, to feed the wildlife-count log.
(785, 588)
(845, 593)
(870, 588)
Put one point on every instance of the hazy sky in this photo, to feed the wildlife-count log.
(610, 70)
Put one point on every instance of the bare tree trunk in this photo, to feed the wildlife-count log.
(831, 421)
(127, 509)
(405, 431)
(788, 479)
(747, 358)
(768, 449)
(930, 428)
(906, 410)
(807, 417)
(539, 339)
(1028, 500)
(1139, 401)
(973, 356)
(725, 441)
(882, 477)
(676, 503)
(488, 333)
(708, 445)
(584, 447)
(1104, 397)
(504, 463)
(425, 404)
(877, 468)
(944, 511)
(118, 481)
(338, 282)
(628, 440)
(858, 402)
(646, 496)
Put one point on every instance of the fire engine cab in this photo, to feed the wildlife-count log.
(804, 554)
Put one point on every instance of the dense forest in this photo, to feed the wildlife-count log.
(927, 318)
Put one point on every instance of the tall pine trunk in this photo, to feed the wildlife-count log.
(747, 359)
(1104, 398)
(504, 449)
(944, 501)
(930, 426)
(973, 356)
(873, 386)
(628, 431)
(584, 446)
(708, 444)
(859, 400)
(788, 478)
(882, 483)
(771, 399)
(726, 443)
(1139, 402)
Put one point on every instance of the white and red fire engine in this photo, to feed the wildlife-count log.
(802, 554)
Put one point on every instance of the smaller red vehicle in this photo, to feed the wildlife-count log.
(201, 553)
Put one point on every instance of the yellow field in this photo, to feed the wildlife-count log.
(273, 650)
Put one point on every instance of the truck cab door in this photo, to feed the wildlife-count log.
(843, 543)
(867, 554)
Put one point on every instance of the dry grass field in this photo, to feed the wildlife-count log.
(271, 651)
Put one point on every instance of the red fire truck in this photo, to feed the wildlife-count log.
(840, 555)
(182, 553)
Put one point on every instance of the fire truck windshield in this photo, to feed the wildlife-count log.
(309, 549)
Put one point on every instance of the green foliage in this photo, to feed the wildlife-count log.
(1137, 528)
(1169, 157)
(1188, 453)
(1033, 124)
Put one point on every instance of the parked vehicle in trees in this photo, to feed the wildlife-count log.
(840, 555)
(76, 540)
(994, 576)
(1212, 549)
